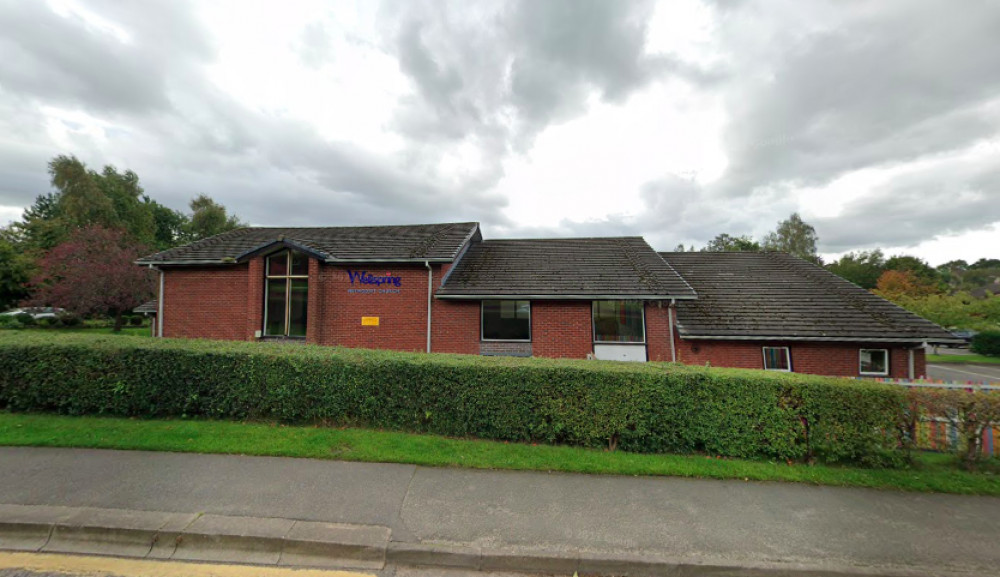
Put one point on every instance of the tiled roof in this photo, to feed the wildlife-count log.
(777, 296)
(435, 242)
(623, 267)
(148, 307)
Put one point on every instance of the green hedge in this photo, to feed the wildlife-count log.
(986, 343)
(637, 407)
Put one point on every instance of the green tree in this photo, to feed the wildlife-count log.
(15, 271)
(171, 226)
(861, 268)
(795, 237)
(41, 227)
(917, 266)
(727, 243)
(209, 218)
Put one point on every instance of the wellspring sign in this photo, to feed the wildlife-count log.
(375, 282)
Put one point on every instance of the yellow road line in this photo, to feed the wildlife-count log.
(86, 565)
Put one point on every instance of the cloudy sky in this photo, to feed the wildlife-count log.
(878, 121)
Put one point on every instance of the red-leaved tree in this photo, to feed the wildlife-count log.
(93, 272)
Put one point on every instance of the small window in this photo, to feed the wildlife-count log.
(777, 359)
(619, 322)
(506, 320)
(875, 362)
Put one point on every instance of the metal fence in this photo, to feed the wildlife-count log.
(941, 434)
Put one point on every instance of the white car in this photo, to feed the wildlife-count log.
(37, 312)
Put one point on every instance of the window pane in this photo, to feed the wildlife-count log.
(277, 264)
(618, 321)
(874, 361)
(300, 264)
(297, 310)
(507, 320)
(274, 324)
(776, 359)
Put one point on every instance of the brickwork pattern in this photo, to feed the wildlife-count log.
(205, 303)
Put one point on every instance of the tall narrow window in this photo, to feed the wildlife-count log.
(286, 302)
(619, 322)
(506, 321)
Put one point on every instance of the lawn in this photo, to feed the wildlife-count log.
(969, 358)
(93, 330)
(931, 472)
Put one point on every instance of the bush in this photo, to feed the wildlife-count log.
(26, 319)
(10, 322)
(987, 343)
(970, 412)
(636, 407)
(70, 320)
(52, 322)
(135, 321)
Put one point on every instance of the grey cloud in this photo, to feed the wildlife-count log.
(948, 199)
(885, 84)
(63, 60)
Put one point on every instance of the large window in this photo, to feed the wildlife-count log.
(875, 362)
(287, 294)
(619, 322)
(506, 320)
(777, 359)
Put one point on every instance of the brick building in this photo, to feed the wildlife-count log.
(442, 288)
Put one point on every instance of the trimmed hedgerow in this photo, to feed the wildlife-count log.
(987, 343)
(652, 407)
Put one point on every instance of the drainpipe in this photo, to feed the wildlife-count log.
(430, 290)
(670, 325)
(911, 364)
(159, 304)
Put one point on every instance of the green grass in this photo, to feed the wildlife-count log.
(970, 358)
(930, 473)
(95, 330)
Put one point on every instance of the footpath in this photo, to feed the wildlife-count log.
(310, 513)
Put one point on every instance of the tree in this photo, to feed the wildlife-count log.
(93, 272)
(15, 271)
(861, 268)
(985, 263)
(795, 237)
(209, 218)
(726, 243)
(171, 226)
(895, 284)
(919, 267)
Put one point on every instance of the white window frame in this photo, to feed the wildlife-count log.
(593, 323)
(482, 318)
(288, 278)
(788, 359)
(884, 373)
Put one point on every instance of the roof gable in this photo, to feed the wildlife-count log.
(433, 242)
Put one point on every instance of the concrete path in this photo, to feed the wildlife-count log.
(499, 519)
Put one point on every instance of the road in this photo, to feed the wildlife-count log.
(964, 372)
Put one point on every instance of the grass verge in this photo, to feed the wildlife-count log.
(930, 473)
(969, 358)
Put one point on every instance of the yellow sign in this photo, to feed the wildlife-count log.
(369, 321)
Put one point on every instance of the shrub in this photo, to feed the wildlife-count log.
(26, 319)
(70, 320)
(970, 412)
(52, 322)
(135, 321)
(987, 343)
(10, 322)
(636, 407)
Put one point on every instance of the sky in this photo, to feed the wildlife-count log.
(879, 122)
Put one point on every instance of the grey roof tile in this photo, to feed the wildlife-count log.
(778, 296)
(624, 267)
(438, 242)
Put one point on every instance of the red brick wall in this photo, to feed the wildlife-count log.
(455, 327)
(402, 315)
(834, 359)
(657, 331)
(209, 303)
(561, 329)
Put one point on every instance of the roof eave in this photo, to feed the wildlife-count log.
(849, 338)
(588, 297)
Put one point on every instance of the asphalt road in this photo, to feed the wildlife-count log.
(724, 522)
(964, 372)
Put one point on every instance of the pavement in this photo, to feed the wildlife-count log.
(963, 372)
(310, 513)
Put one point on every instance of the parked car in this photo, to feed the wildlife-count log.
(965, 335)
(37, 312)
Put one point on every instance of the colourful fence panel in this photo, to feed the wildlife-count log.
(941, 434)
